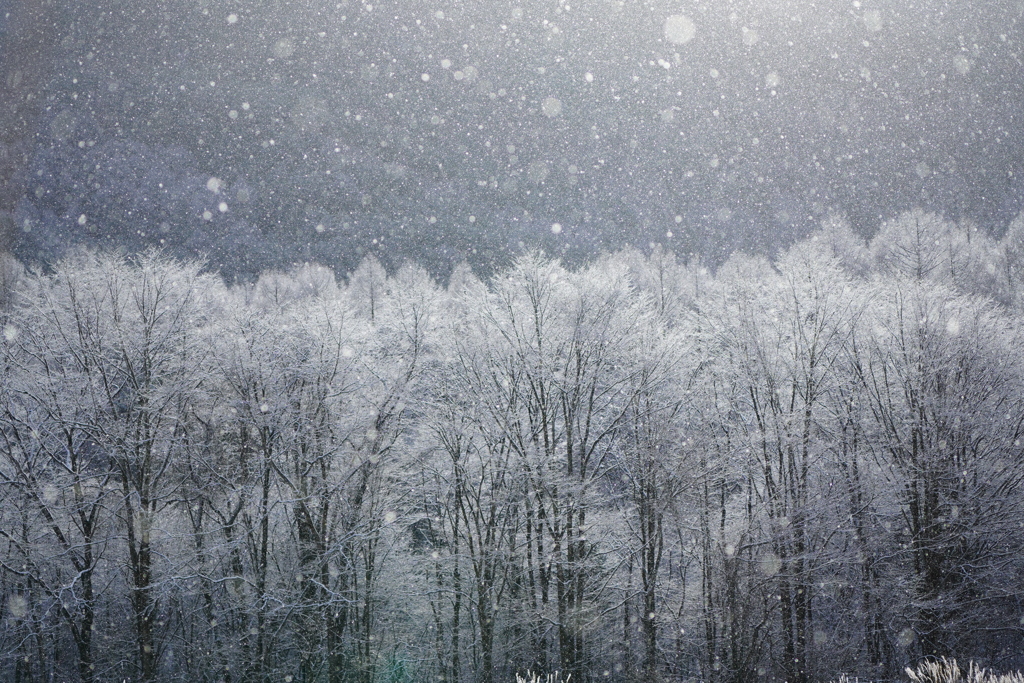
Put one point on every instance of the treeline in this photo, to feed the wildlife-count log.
(636, 471)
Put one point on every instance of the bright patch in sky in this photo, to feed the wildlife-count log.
(679, 29)
(284, 48)
(873, 20)
(552, 107)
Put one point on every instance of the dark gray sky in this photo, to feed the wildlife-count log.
(439, 131)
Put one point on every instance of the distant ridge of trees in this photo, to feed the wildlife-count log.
(26, 43)
(636, 470)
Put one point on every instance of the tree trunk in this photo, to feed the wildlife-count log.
(142, 599)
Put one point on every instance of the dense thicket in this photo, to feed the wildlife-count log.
(634, 471)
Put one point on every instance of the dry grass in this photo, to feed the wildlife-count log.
(948, 671)
(940, 671)
(532, 677)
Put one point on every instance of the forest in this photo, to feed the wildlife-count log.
(634, 470)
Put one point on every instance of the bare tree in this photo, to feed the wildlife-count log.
(947, 410)
(55, 471)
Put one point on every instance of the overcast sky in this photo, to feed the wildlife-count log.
(441, 131)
